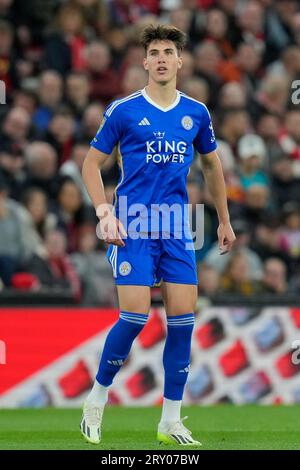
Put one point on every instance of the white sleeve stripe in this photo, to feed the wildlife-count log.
(124, 100)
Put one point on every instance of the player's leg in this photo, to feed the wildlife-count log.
(130, 270)
(179, 290)
(179, 301)
(134, 308)
(134, 304)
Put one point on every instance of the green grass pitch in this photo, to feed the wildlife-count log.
(217, 427)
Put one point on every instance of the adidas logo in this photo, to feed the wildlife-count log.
(186, 369)
(119, 362)
(144, 122)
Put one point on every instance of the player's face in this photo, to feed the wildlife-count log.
(162, 61)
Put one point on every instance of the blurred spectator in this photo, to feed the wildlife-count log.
(278, 27)
(26, 99)
(8, 72)
(289, 63)
(234, 188)
(133, 55)
(135, 78)
(266, 241)
(229, 8)
(16, 242)
(65, 45)
(72, 168)
(36, 202)
(117, 40)
(70, 212)
(244, 67)
(251, 22)
(274, 278)
(232, 95)
(12, 169)
(234, 123)
(197, 88)
(180, 17)
(252, 152)
(272, 96)
(268, 127)
(295, 24)
(93, 269)
(290, 135)
(285, 184)
(91, 121)
(187, 70)
(54, 269)
(216, 31)
(256, 208)
(237, 278)
(207, 58)
(41, 167)
(77, 92)
(125, 12)
(208, 280)
(105, 84)
(242, 232)
(50, 91)
(289, 239)
(60, 134)
(95, 13)
(5, 9)
(15, 128)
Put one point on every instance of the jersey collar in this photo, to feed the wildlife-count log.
(147, 98)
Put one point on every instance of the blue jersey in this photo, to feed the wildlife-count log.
(156, 147)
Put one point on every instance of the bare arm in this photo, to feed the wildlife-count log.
(91, 174)
(214, 178)
(111, 228)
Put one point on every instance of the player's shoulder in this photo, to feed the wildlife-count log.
(198, 106)
(122, 104)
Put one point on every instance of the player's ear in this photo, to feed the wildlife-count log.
(179, 62)
(145, 63)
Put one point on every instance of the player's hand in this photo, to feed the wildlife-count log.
(112, 229)
(226, 237)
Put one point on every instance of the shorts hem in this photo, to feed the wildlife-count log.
(129, 283)
(177, 281)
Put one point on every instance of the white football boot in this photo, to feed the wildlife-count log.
(90, 425)
(176, 433)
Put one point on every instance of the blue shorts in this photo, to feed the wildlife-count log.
(145, 262)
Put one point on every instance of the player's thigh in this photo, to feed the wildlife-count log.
(179, 298)
(135, 299)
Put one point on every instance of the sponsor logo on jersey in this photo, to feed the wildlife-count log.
(163, 151)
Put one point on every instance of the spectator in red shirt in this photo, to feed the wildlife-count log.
(105, 84)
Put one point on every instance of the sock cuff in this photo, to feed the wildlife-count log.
(188, 319)
(138, 318)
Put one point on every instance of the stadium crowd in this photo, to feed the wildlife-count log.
(64, 61)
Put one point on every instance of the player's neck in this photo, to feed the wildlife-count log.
(163, 95)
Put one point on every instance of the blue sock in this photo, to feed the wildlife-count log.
(176, 357)
(118, 344)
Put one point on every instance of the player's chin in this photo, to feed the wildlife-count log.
(162, 80)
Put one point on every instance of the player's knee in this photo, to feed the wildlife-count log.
(135, 306)
(183, 307)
